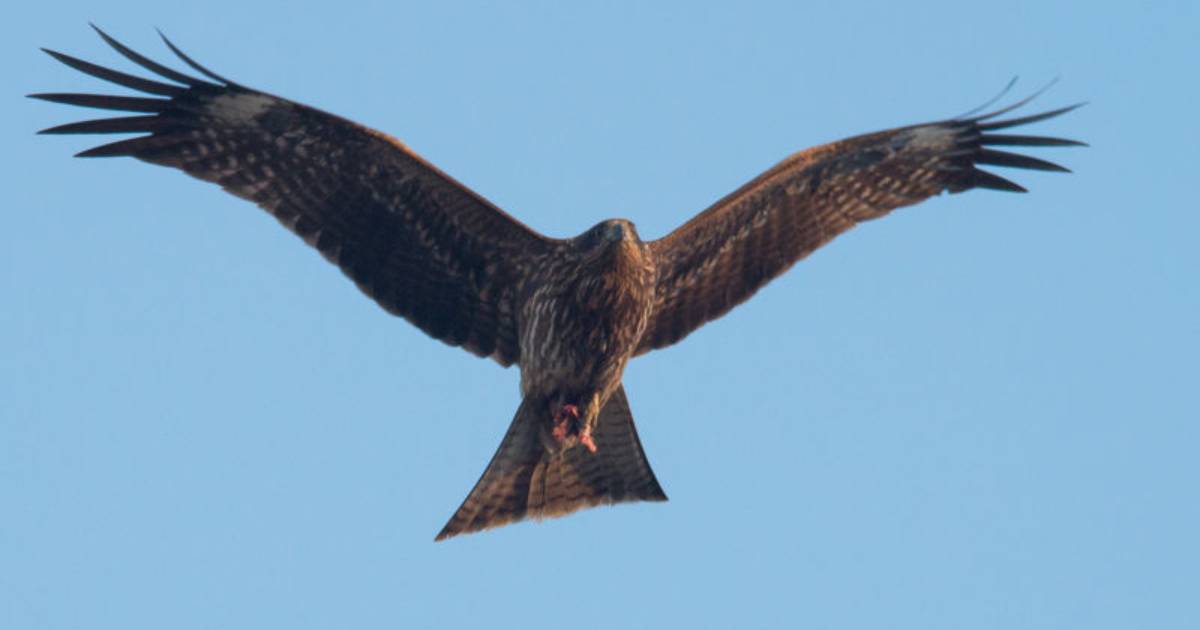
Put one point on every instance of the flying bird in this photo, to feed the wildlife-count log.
(570, 313)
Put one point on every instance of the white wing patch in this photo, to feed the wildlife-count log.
(931, 137)
(240, 108)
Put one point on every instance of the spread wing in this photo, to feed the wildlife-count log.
(722, 256)
(419, 243)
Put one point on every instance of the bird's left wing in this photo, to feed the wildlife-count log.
(419, 243)
(722, 256)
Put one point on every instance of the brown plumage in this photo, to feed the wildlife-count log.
(569, 312)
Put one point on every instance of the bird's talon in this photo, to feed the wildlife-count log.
(564, 422)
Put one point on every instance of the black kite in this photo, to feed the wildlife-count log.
(569, 312)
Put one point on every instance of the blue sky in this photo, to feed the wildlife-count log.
(979, 412)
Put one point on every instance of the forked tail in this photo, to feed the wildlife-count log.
(525, 479)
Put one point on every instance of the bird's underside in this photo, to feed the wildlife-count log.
(569, 312)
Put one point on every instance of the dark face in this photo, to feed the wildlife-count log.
(606, 233)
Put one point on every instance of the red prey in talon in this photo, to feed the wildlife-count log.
(563, 421)
(566, 423)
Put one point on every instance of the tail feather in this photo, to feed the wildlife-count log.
(525, 479)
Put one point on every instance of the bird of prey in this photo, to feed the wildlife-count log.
(571, 312)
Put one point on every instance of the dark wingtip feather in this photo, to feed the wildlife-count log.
(147, 63)
(997, 139)
(120, 78)
(1016, 160)
(990, 101)
(103, 101)
(194, 65)
(129, 124)
(976, 136)
(1016, 105)
(130, 146)
(1025, 120)
(984, 179)
(99, 152)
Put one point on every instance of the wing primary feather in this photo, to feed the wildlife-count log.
(1015, 160)
(102, 101)
(129, 124)
(120, 78)
(1025, 120)
(984, 179)
(196, 66)
(148, 64)
(990, 102)
(136, 147)
(1017, 105)
(997, 139)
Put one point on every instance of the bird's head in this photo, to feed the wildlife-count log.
(611, 242)
(602, 236)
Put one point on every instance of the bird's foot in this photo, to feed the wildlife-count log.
(564, 422)
(567, 423)
(585, 438)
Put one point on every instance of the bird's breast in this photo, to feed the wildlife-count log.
(581, 324)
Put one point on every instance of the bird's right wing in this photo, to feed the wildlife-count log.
(419, 243)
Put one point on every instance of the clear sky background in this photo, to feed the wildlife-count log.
(978, 413)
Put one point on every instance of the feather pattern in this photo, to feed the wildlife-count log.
(527, 480)
(722, 256)
(418, 242)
